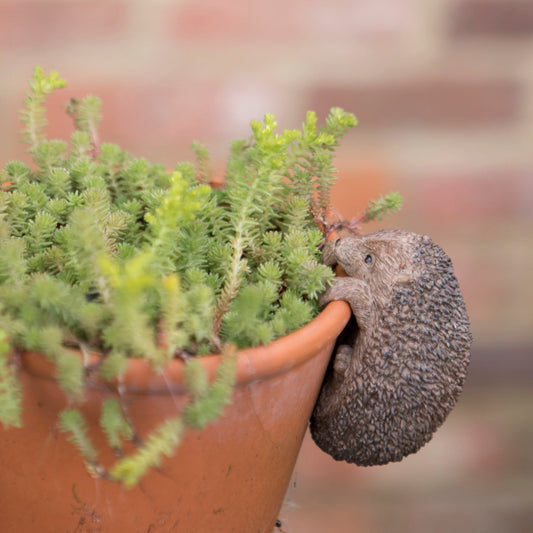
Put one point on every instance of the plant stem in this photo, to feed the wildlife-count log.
(238, 264)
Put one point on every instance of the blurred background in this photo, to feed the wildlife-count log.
(443, 91)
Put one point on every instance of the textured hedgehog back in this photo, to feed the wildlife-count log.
(407, 368)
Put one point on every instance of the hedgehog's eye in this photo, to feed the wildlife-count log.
(368, 259)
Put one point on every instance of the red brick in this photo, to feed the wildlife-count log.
(167, 117)
(356, 186)
(37, 23)
(296, 20)
(210, 19)
(431, 103)
(152, 120)
(458, 199)
(492, 18)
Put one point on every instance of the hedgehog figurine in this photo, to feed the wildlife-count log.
(392, 385)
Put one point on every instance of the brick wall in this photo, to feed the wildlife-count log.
(443, 91)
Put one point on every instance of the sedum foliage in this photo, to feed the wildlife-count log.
(10, 390)
(383, 206)
(112, 254)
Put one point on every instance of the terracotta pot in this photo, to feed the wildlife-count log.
(230, 477)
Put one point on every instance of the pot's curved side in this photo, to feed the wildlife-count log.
(232, 476)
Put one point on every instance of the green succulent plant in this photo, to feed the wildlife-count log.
(111, 254)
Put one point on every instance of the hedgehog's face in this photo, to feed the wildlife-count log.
(380, 259)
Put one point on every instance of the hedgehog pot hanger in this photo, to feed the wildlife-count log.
(400, 373)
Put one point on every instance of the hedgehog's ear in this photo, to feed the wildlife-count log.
(406, 275)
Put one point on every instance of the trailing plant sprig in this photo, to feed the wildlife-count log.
(10, 389)
(383, 206)
(86, 114)
(114, 255)
(72, 423)
(163, 441)
(33, 116)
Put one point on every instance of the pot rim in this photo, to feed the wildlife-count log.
(253, 364)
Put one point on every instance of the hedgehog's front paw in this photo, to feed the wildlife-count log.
(325, 298)
(343, 288)
(334, 292)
